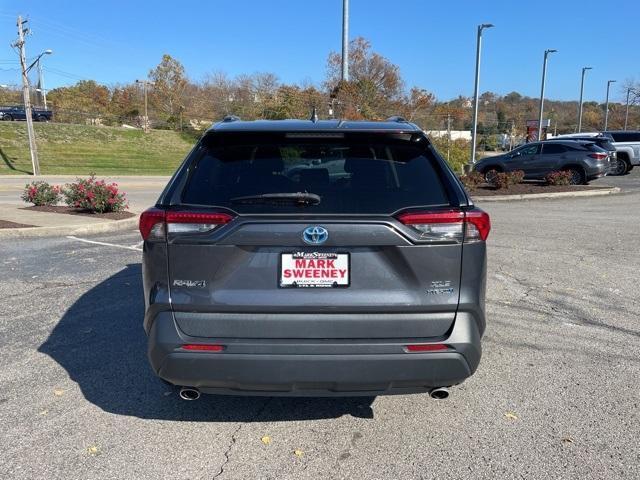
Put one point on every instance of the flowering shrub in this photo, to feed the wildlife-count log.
(472, 179)
(506, 179)
(95, 195)
(41, 193)
(562, 177)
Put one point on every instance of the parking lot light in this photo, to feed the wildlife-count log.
(544, 79)
(584, 70)
(626, 115)
(606, 107)
(476, 90)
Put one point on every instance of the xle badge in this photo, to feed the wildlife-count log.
(440, 287)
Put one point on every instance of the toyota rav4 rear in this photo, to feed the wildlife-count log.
(314, 258)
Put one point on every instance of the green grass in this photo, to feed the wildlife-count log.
(84, 149)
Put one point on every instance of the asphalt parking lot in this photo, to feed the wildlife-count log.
(557, 393)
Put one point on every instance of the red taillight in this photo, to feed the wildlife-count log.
(198, 218)
(447, 216)
(598, 156)
(148, 219)
(481, 221)
(155, 223)
(427, 347)
(449, 225)
(195, 222)
(203, 347)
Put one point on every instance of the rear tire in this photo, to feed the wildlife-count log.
(577, 177)
(621, 168)
(490, 175)
(7, 118)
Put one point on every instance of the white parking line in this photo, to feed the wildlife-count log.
(105, 244)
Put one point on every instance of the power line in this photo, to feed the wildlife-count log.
(62, 73)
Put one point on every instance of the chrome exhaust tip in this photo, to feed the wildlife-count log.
(189, 393)
(439, 393)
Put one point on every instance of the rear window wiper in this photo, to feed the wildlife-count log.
(299, 198)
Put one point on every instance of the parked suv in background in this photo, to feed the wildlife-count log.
(314, 258)
(584, 159)
(627, 144)
(603, 141)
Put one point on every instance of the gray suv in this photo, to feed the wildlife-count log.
(584, 159)
(314, 258)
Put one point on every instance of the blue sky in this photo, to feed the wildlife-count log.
(432, 42)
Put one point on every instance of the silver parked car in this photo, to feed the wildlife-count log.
(314, 258)
(584, 159)
(627, 144)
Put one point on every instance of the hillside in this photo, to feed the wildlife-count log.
(82, 149)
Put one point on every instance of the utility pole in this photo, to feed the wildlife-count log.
(345, 40)
(476, 92)
(19, 43)
(145, 126)
(544, 80)
(606, 108)
(584, 70)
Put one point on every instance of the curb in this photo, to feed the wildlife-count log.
(32, 232)
(537, 196)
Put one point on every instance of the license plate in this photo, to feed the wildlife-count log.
(314, 270)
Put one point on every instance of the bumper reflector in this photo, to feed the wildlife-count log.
(428, 347)
(201, 347)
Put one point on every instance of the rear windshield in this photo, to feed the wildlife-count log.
(350, 173)
(600, 141)
(606, 144)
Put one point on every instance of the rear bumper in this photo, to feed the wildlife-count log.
(298, 367)
(597, 172)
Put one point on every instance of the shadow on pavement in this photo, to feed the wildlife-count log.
(102, 346)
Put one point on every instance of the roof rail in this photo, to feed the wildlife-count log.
(230, 118)
(397, 118)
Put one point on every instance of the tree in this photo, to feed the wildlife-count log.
(374, 82)
(169, 83)
(414, 106)
(124, 103)
(86, 100)
(10, 95)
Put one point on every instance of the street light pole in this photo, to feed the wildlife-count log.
(626, 115)
(584, 70)
(41, 89)
(606, 109)
(43, 92)
(37, 62)
(544, 80)
(476, 89)
(345, 40)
